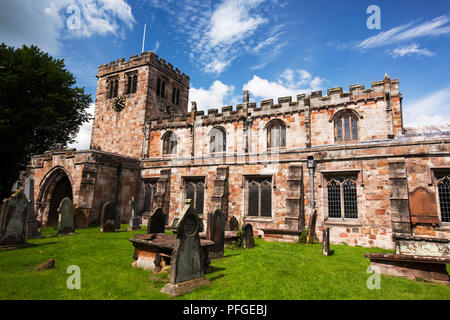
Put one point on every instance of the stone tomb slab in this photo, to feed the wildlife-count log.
(411, 267)
(154, 251)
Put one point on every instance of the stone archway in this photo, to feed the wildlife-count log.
(55, 187)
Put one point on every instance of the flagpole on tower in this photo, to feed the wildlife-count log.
(143, 38)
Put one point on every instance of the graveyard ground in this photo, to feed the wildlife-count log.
(269, 271)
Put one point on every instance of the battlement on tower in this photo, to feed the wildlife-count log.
(146, 58)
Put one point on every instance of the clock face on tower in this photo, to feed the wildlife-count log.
(119, 104)
(168, 109)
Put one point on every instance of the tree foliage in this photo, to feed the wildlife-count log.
(40, 106)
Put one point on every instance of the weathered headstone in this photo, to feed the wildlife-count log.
(326, 241)
(216, 232)
(187, 268)
(13, 220)
(312, 227)
(66, 212)
(175, 223)
(109, 217)
(135, 221)
(233, 224)
(249, 241)
(32, 229)
(156, 222)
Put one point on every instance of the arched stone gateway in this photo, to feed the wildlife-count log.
(54, 188)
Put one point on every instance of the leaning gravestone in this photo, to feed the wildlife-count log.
(135, 221)
(216, 232)
(109, 217)
(326, 241)
(249, 241)
(156, 222)
(13, 220)
(32, 229)
(187, 269)
(66, 217)
(233, 224)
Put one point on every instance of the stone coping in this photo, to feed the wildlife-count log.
(413, 238)
(162, 240)
(407, 258)
(282, 231)
(228, 235)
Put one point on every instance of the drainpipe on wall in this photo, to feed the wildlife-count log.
(312, 220)
(119, 172)
(311, 166)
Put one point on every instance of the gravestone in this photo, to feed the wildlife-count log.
(109, 218)
(32, 229)
(312, 227)
(233, 224)
(135, 221)
(66, 212)
(156, 222)
(249, 241)
(13, 220)
(326, 241)
(175, 223)
(187, 268)
(216, 232)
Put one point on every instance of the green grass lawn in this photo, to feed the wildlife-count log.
(269, 271)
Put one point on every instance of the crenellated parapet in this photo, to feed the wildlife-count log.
(146, 58)
(336, 98)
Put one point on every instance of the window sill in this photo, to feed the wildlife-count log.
(258, 219)
(343, 223)
(444, 227)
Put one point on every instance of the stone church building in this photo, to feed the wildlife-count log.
(345, 155)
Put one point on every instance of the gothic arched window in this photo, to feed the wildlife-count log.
(113, 87)
(444, 197)
(276, 134)
(169, 143)
(217, 140)
(195, 190)
(132, 82)
(346, 127)
(342, 197)
(259, 196)
(149, 195)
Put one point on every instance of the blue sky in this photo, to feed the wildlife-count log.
(273, 48)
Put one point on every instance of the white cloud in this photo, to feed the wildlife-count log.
(412, 49)
(218, 34)
(290, 83)
(232, 21)
(45, 23)
(211, 98)
(435, 27)
(83, 139)
(432, 110)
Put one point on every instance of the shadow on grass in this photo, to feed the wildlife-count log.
(217, 277)
(229, 255)
(17, 246)
(213, 269)
(44, 244)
